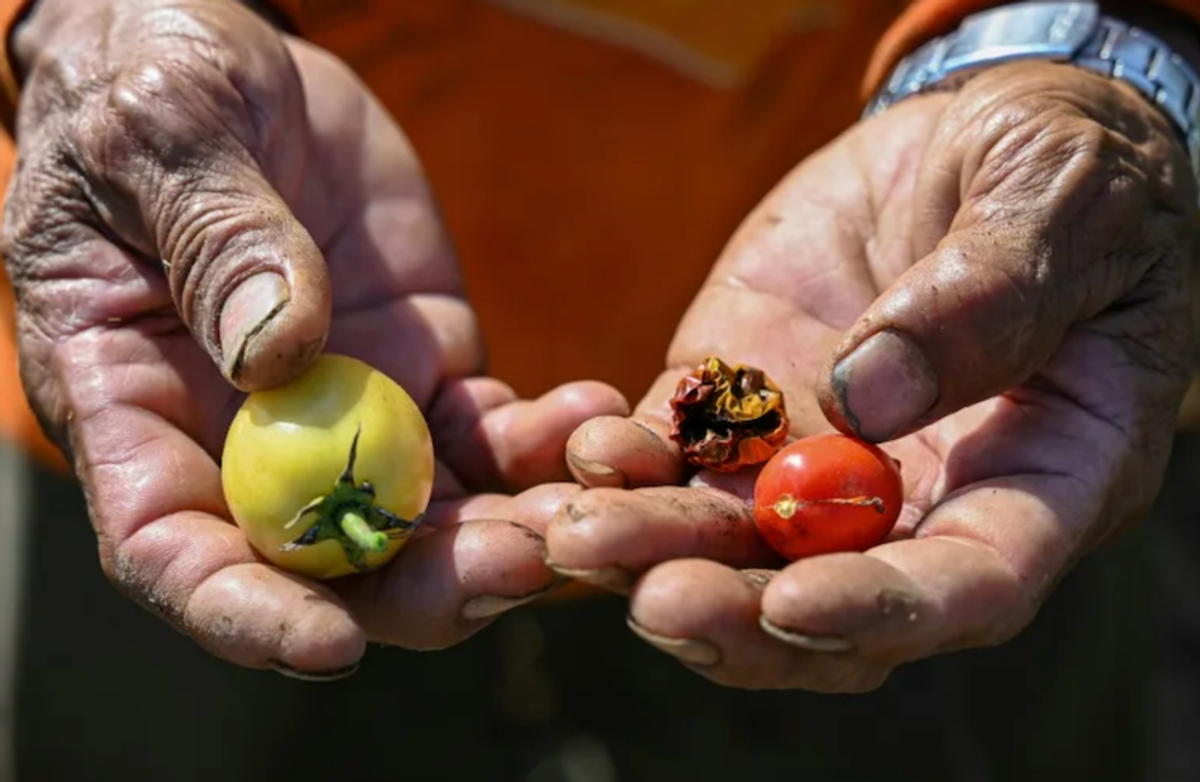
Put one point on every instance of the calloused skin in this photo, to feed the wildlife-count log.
(155, 176)
(1026, 247)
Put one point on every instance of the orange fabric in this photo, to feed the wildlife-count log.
(925, 19)
(10, 12)
(712, 40)
(17, 422)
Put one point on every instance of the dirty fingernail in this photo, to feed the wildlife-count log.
(811, 643)
(611, 578)
(247, 310)
(690, 650)
(487, 606)
(885, 386)
(759, 577)
(595, 474)
(333, 675)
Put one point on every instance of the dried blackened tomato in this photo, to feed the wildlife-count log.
(726, 418)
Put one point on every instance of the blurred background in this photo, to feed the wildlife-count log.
(1104, 686)
(593, 156)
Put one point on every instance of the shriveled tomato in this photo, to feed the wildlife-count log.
(827, 493)
(330, 474)
(727, 417)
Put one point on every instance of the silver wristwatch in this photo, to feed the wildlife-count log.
(1074, 33)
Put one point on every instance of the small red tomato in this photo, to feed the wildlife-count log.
(827, 493)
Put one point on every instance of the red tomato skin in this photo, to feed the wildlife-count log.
(842, 494)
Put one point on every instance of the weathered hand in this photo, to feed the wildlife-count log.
(203, 205)
(996, 282)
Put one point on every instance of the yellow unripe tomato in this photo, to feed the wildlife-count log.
(330, 474)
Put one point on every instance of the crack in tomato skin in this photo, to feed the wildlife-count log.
(787, 505)
(827, 493)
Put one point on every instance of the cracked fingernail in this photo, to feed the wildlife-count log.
(248, 309)
(885, 386)
(690, 650)
(595, 474)
(333, 675)
(611, 578)
(812, 643)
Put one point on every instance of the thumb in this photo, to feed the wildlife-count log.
(1071, 225)
(960, 326)
(178, 182)
(253, 287)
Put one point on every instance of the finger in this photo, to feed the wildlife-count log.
(617, 452)
(518, 443)
(239, 609)
(1058, 219)
(179, 183)
(533, 508)
(981, 565)
(608, 537)
(707, 616)
(155, 498)
(450, 584)
(629, 451)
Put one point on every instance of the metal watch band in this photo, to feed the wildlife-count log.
(1074, 33)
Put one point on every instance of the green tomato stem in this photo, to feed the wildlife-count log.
(359, 531)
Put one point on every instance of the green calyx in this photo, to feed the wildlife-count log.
(349, 515)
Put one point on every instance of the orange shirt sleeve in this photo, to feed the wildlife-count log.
(10, 12)
(17, 422)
